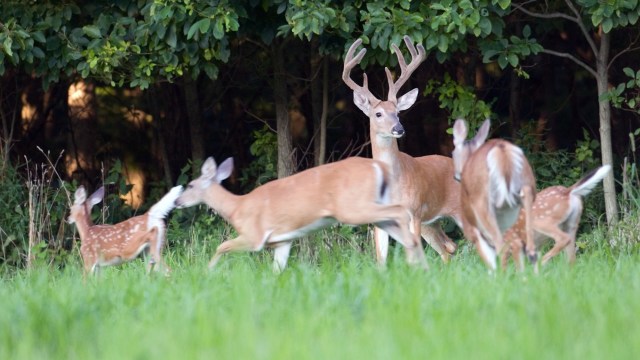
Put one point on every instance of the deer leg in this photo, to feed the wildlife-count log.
(528, 195)
(404, 228)
(381, 242)
(560, 237)
(281, 255)
(486, 252)
(240, 243)
(488, 229)
(438, 240)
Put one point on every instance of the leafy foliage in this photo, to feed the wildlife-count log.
(627, 94)
(460, 101)
(120, 42)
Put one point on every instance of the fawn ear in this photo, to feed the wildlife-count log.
(460, 132)
(209, 168)
(97, 196)
(224, 170)
(80, 196)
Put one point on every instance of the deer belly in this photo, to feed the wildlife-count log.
(318, 224)
(506, 217)
(117, 259)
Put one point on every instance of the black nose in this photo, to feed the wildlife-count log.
(397, 130)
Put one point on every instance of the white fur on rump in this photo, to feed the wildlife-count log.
(501, 192)
(159, 211)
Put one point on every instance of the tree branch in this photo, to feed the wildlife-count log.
(572, 58)
(584, 30)
(558, 15)
(624, 51)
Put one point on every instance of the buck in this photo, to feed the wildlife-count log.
(425, 185)
(105, 245)
(496, 181)
(556, 214)
(352, 191)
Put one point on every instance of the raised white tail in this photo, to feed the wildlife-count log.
(497, 181)
(104, 245)
(352, 191)
(556, 214)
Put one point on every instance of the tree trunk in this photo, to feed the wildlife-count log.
(80, 160)
(320, 105)
(285, 148)
(606, 147)
(195, 122)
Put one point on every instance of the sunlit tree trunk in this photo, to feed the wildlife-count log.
(80, 158)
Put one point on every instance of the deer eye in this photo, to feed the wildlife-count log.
(378, 114)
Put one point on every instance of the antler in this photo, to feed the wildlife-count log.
(417, 56)
(350, 62)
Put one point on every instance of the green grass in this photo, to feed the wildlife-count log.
(341, 307)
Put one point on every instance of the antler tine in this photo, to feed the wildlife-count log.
(350, 62)
(417, 57)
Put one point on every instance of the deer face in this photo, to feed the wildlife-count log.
(463, 148)
(82, 205)
(210, 175)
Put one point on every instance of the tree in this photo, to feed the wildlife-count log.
(602, 19)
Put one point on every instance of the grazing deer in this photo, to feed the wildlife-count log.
(425, 184)
(556, 214)
(496, 181)
(105, 245)
(352, 191)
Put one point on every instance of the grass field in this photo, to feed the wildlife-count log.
(341, 307)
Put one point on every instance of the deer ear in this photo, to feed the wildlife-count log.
(97, 196)
(407, 100)
(224, 170)
(80, 195)
(482, 134)
(362, 101)
(209, 168)
(460, 132)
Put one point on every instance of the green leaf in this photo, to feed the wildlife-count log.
(443, 43)
(37, 52)
(6, 44)
(201, 25)
(513, 60)
(629, 72)
(504, 4)
(39, 37)
(526, 31)
(607, 25)
(172, 39)
(503, 61)
(91, 31)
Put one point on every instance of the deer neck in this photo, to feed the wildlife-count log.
(83, 224)
(385, 149)
(222, 201)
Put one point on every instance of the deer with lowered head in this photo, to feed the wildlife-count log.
(497, 181)
(105, 245)
(556, 214)
(425, 185)
(353, 191)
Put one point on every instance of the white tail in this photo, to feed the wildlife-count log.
(497, 181)
(353, 191)
(104, 245)
(556, 214)
(425, 185)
